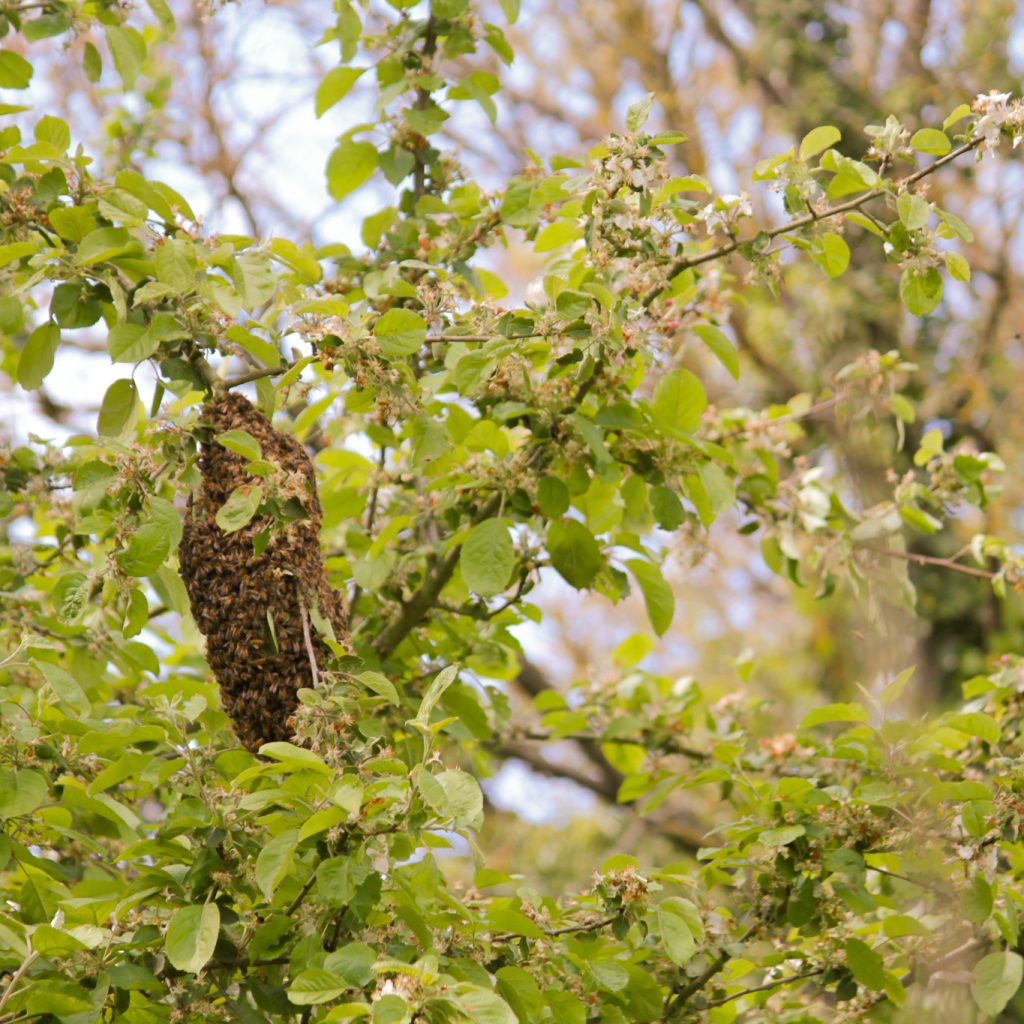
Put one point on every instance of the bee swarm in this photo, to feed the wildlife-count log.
(251, 608)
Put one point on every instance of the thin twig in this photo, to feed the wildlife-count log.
(766, 986)
(677, 998)
(371, 516)
(944, 563)
(309, 644)
(552, 933)
(295, 903)
(920, 882)
(668, 746)
(29, 960)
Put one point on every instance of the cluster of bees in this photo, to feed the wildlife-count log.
(257, 612)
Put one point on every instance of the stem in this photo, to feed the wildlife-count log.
(29, 960)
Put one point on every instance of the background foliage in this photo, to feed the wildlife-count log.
(662, 402)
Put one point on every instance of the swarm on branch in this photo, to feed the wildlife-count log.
(257, 611)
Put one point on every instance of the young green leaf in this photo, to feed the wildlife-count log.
(817, 140)
(36, 359)
(997, 978)
(240, 507)
(658, 597)
(191, 937)
(350, 166)
(400, 333)
(487, 558)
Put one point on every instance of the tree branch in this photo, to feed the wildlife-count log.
(685, 262)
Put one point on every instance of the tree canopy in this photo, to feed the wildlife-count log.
(276, 606)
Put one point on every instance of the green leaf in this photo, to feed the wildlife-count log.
(914, 210)
(865, 964)
(241, 442)
(681, 928)
(104, 244)
(554, 236)
(710, 490)
(15, 71)
(275, 861)
(176, 264)
(834, 713)
(831, 253)
(931, 140)
(508, 919)
(335, 87)
(349, 166)
(123, 208)
(920, 289)
(240, 507)
(552, 497)
(574, 552)
(975, 723)
(36, 359)
(21, 792)
(996, 980)
(679, 401)
(464, 798)
(147, 548)
(65, 686)
(400, 333)
(819, 139)
(658, 597)
(721, 347)
(131, 343)
(637, 114)
(315, 985)
(294, 758)
(957, 265)
(894, 690)
(70, 596)
(958, 114)
(53, 132)
(783, 836)
(353, 962)
(381, 685)
(522, 993)
(392, 1009)
(482, 1006)
(191, 937)
(92, 63)
(63, 1000)
(487, 558)
(117, 407)
(438, 685)
(128, 49)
